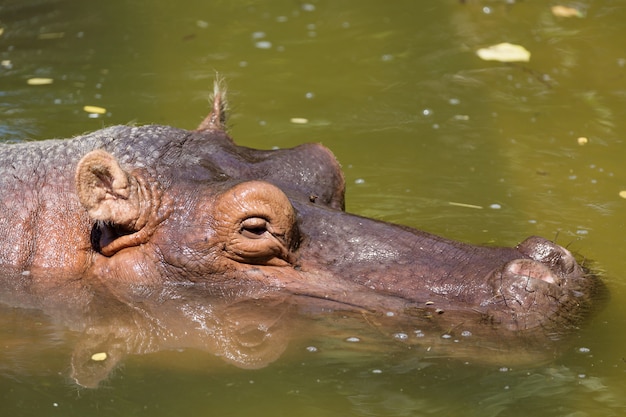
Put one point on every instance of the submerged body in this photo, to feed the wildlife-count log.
(172, 230)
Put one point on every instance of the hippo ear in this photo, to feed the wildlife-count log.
(127, 206)
(107, 192)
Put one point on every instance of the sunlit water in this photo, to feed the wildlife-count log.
(417, 120)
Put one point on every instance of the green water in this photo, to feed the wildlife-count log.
(417, 120)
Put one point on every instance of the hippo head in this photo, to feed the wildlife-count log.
(198, 209)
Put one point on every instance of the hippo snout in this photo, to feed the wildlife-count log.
(547, 285)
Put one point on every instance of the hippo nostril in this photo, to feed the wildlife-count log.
(531, 269)
(555, 257)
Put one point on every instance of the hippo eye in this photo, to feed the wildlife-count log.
(253, 227)
(255, 223)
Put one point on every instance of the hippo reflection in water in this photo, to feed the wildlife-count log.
(152, 238)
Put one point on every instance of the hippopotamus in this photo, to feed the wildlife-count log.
(159, 231)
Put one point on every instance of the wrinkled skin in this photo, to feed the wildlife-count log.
(151, 238)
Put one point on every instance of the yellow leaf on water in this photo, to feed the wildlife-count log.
(504, 52)
(39, 81)
(564, 11)
(95, 109)
(99, 357)
(473, 206)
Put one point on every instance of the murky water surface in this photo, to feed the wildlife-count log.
(417, 120)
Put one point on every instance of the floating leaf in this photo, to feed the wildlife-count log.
(473, 206)
(622, 193)
(582, 140)
(564, 11)
(95, 109)
(504, 52)
(99, 357)
(39, 81)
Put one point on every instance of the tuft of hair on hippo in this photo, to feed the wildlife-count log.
(151, 238)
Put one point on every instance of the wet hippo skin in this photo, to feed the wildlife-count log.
(152, 238)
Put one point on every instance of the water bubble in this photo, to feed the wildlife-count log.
(418, 333)
(389, 314)
(387, 58)
(263, 44)
(495, 206)
(504, 369)
(359, 181)
(584, 350)
(427, 112)
(258, 35)
(309, 95)
(353, 339)
(446, 336)
(401, 336)
(311, 349)
(454, 101)
(487, 10)
(466, 333)
(377, 371)
(308, 7)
